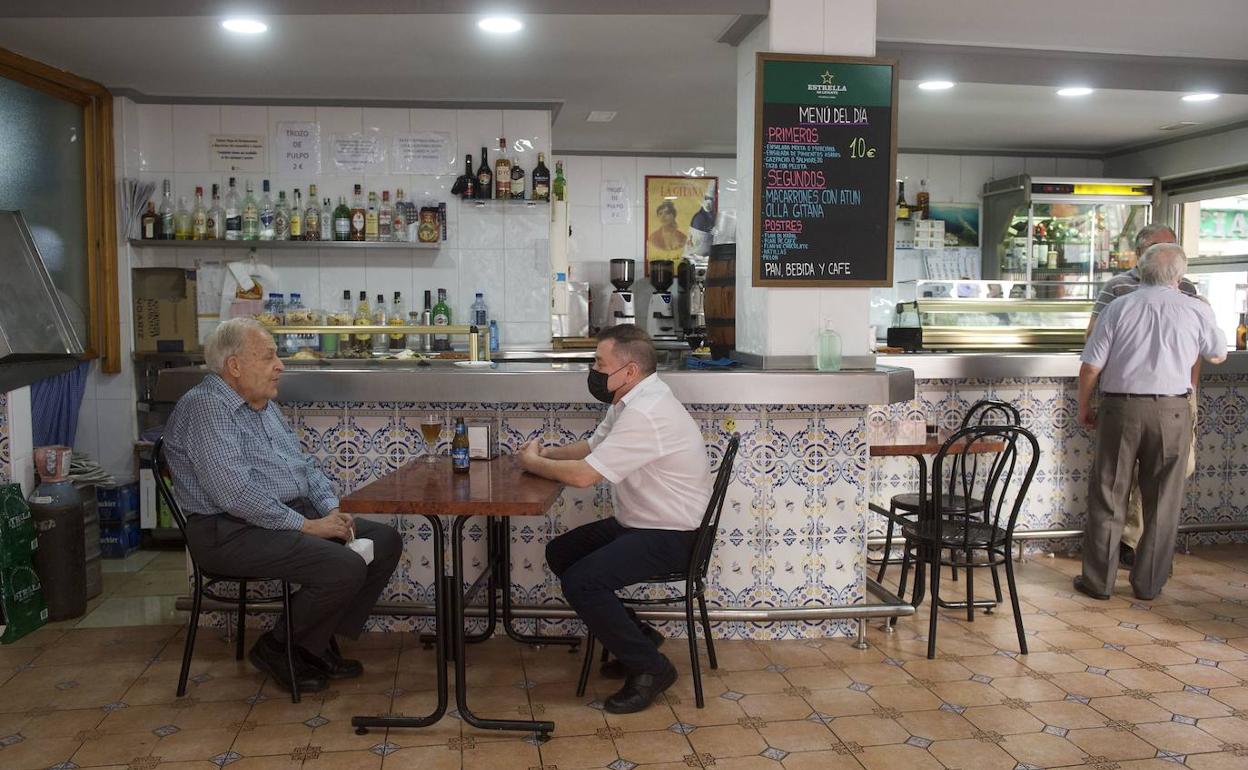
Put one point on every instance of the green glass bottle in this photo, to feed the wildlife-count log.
(441, 317)
(342, 220)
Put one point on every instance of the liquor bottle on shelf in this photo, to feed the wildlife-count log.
(342, 219)
(357, 214)
(1241, 332)
(502, 172)
(371, 219)
(517, 180)
(296, 217)
(281, 218)
(560, 186)
(182, 220)
(398, 224)
(460, 462)
(199, 217)
(346, 317)
(441, 317)
(381, 317)
(251, 214)
(469, 180)
(396, 318)
(267, 213)
(233, 214)
(312, 216)
(485, 178)
(426, 319)
(363, 343)
(903, 208)
(922, 200)
(151, 222)
(166, 214)
(541, 179)
(385, 217)
(329, 224)
(216, 216)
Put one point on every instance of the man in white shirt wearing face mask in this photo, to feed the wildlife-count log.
(653, 454)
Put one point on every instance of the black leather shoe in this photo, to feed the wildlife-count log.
(1126, 555)
(1082, 587)
(614, 669)
(331, 665)
(269, 656)
(640, 690)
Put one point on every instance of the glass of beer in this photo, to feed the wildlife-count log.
(430, 429)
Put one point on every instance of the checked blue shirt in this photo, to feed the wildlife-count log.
(226, 457)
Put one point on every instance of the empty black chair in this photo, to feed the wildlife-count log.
(204, 585)
(984, 412)
(694, 577)
(1000, 479)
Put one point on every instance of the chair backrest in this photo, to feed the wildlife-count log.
(163, 490)
(700, 560)
(990, 411)
(992, 477)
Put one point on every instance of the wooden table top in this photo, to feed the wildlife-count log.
(933, 446)
(496, 487)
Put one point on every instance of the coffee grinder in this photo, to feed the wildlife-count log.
(662, 321)
(691, 278)
(620, 307)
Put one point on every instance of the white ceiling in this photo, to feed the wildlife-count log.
(672, 84)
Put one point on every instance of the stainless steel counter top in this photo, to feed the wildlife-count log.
(346, 381)
(997, 366)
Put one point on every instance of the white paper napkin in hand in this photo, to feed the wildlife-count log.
(363, 546)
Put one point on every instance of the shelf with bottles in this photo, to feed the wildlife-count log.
(506, 183)
(144, 244)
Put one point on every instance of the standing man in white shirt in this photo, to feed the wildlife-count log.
(653, 454)
(1141, 353)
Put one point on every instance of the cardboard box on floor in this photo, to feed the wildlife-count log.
(165, 312)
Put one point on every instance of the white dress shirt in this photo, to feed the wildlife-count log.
(1148, 341)
(652, 452)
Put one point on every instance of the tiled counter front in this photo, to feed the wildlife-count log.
(792, 528)
(1218, 492)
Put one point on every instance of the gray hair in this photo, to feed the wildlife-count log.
(1163, 264)
(1152, 234)
(229, 339)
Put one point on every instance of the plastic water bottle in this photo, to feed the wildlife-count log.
(480, 313)
(829, 357)
(493, 336)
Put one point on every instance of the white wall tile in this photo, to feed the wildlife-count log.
(1040, 166)
(1006, 166)
(476, 129)
(118, 386)
(976, 170)
(117, 433)
(797, 26)
(585, 242)
(244, 119)
(522, 226)
(155, 130)
(446, 122)
(524, 335)
(944, 178)
(910, 169)
(480, 227)
(586, 171)
(647, 166)
(481, 270)
(87, 437)
(387, 271)
(129, 139)
(528, 133)
(390, 120)
(622, 241)
(300, 271)
(527, 284)
(278, 115)
(192, 125)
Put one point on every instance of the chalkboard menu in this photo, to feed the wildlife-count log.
(825, 160)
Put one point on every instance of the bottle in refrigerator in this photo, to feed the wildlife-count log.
(182, 220)
(199, 217)
(441, 317)
(296, 217)
(396, 318)
(541, 179)
(381, 317)
(166, 214)
(233, 214)
(362, 343)
(502, 172)
(251, 214)
(312, 216)
(485, 178)
(371, 224)
(385, 217)
(342, 219)
(267, 213)
(281, 218)
(216, 216)
(357, 215)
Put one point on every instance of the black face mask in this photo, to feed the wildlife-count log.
(597, 382)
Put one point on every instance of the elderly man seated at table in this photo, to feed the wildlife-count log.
(257, 506)
(653, 454)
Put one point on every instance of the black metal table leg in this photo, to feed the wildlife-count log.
(492, 583)
(443, 628)
(503, 532)
(456, 627)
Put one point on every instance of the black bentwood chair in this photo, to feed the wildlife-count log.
(694, 577)
(205, 584)
(906, 505)
(992, 477)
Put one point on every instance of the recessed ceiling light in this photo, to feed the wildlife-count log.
(936, 85)
(1200, 97)
(600, 116)
(500, 25)
(245, 26)
(1074, 91)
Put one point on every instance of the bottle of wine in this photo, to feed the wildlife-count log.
(342, 220)
(517, 180)
(485, 178)
(441, 317)
(541, 179)
(903, 208)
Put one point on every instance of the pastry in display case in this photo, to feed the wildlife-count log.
(991, 315)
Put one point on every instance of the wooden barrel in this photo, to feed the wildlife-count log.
(721, 299)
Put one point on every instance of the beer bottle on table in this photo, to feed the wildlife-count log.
(459, 447)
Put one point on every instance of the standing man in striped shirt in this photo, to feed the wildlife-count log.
(257, 505)
(1120, 286)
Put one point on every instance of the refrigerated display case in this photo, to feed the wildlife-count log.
(1052, 229)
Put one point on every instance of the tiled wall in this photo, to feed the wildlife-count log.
(17, 462)
(4, 438)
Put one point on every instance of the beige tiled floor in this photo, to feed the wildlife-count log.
(1117, 685)
(138, 591)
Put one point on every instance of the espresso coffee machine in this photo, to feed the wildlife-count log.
(662, 320)
(691, 306)
(620, 307)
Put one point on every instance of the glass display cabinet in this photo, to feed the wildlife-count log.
(992, 315)
(1049, 229)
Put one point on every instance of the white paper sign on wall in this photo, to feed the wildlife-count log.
(298, 148)
(616, 207)
(357, 152)
(422, 152)
(237, 152)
